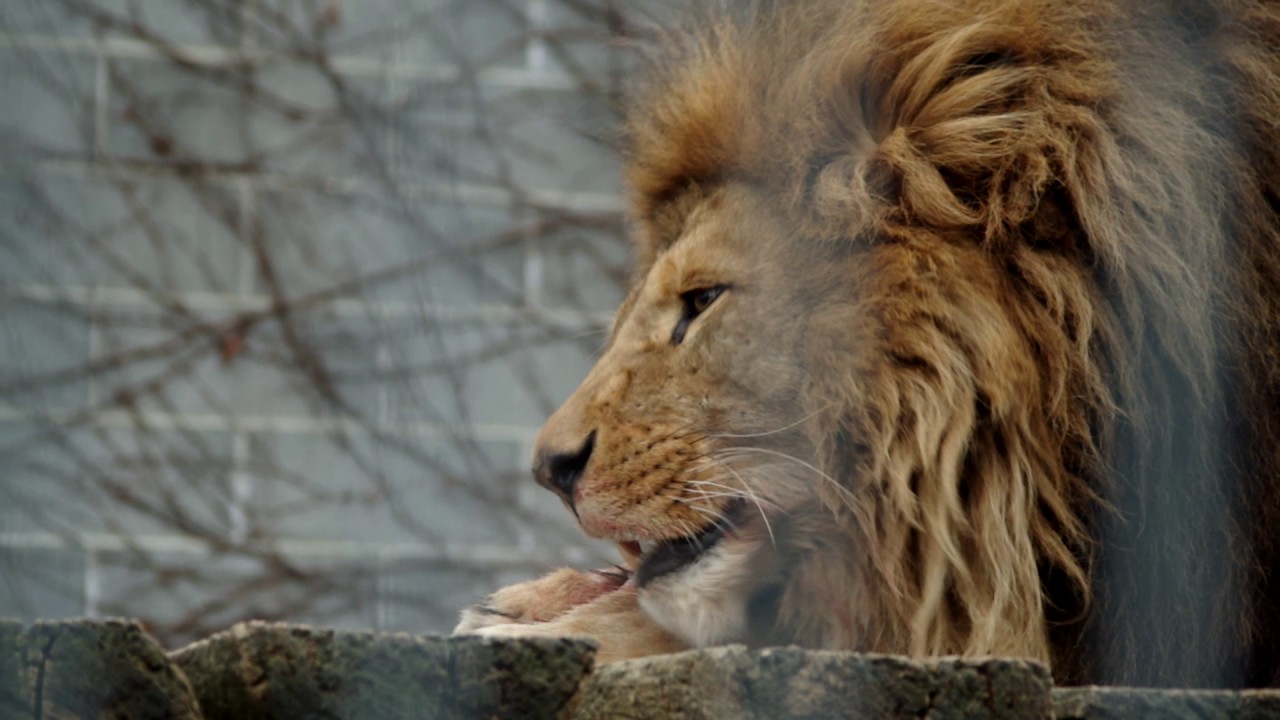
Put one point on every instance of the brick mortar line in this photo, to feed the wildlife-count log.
(565, 200)
(219, 55)
(276, 424)
(480, 556)
(123, 298)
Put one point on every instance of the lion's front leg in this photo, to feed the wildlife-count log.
(570, 603)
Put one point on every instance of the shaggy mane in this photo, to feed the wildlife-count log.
(1070, 445)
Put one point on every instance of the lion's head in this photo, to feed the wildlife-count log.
(691, 434)
(922, 289)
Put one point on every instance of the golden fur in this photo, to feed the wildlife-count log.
(996, 364)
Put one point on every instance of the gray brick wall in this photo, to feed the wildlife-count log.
(197, 399)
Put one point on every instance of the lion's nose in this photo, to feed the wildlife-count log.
(559, 471)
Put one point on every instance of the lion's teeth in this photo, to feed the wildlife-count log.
(631, 553)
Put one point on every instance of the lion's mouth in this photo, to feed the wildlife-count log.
(649, 560)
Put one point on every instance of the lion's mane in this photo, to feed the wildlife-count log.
(1075, 427)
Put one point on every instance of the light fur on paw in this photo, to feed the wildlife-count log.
(569, 603)
(539, 600)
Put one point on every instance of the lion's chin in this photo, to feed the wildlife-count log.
(706, 602)
(654, 559)
(699, 587)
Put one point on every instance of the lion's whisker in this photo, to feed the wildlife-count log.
(803, 463)
(710, 483)
(734, 492)
(711, 496)
(755, 499)
(719, 436)
(717, 521)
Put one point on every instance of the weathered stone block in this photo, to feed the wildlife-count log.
(89, 669)
(1103, 703)
(257, 671)
(15, 696)
(533, 678)
(260, 671)
(791, 683)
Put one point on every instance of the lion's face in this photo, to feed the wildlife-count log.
(688, 433)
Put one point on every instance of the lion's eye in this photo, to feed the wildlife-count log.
(699, 300)
(695, 303)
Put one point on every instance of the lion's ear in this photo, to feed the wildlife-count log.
(958, 127)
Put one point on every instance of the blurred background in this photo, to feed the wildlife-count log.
(286, 289)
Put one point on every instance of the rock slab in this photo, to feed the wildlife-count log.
(89, 669)
(259, 671)
(780, 683)
(112, 670)
(1105, 703)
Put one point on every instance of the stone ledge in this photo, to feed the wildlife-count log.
(776, 683)
(259, 671)
(1105, 703)
(85, 669)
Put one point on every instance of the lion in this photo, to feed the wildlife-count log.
(955, 330)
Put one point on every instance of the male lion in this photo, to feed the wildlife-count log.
(956, 330)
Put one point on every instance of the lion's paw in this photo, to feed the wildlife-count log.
(612, 619)
(537, 601)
